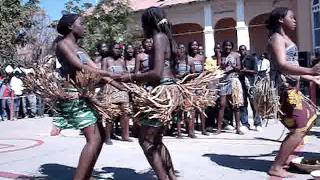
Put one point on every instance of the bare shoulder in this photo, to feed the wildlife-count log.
(276, 38)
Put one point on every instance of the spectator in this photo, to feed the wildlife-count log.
(248, 71)
(16, 85)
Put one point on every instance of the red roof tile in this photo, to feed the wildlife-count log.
(138, 5)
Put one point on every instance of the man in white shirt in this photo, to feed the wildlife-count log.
(16, 85)
(263, 65)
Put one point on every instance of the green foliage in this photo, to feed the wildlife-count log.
(106, 22)
(15, 20)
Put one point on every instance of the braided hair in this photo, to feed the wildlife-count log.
(155, 19)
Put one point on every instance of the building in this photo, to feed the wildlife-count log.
(241, 21)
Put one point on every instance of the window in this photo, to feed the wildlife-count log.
(316, 24)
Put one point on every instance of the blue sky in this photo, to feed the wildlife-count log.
(53, 8)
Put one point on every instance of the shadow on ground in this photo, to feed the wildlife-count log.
(240, 162)
(62, 172)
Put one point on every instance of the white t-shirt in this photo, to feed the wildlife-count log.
(263, 65)
(16, 85)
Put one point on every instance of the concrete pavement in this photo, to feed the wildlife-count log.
(28, 152)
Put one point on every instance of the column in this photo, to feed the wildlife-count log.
(208, 30)
(242, 29)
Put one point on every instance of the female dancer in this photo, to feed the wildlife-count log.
(182, 69)
(77, 112)
(157, 27)
(196, 62)
(230, 62)
(285, 73)
(142, 59)
(129, 58)
(115, 64)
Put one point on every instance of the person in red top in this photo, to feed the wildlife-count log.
(5, 98)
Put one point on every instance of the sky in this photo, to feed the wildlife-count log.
(53, 8)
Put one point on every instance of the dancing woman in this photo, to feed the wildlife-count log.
(298, 114)
(196, 62)
(76, 112)
(230, 63)
(161, 72)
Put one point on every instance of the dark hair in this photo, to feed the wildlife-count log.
(110, 48)
(227, 41)
(126, 54)
(273, 23)
(190, 45)
(65, 22)
(155, 18)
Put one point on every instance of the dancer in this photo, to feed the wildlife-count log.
(196, 62)
(142, 59)
(299, 115)
(115, 64)
(130, 60)
(77, 112)
(183, 69)
(157, 27)
(231, 86)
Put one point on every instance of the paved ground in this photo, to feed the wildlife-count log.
(26, 149)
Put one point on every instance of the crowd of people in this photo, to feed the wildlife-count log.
(245, 69)
(16, 101)
(158, 61)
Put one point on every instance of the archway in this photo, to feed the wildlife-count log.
(225, 30)
(187, 32)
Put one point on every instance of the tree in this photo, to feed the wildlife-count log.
(104, 23)
(15, 21)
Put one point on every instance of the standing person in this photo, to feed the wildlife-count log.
(263, 66)
(129, 58)
(230, 89)
(17, 87)
(183, 69)
(142, 59)
(247, 76)
(115, 65)
(77, 112)
(102, 54)
(196, 62)
(201, 50)
(5, 94)
(161, 72)
(299, 115)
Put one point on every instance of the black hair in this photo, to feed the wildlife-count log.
(190, 45)
(126, 54)
(273, 23)
(111, 45)
(225, 43)
(155, 18)
(65, 22)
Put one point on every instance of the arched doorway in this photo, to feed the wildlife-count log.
(187, 32)
(225, 30)
(258, 34)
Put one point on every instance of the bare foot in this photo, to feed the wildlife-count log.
(279, 172)
(55, 131)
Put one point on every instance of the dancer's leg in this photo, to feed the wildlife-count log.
(89, 155)
(221, 112)
(291, 142)
(150, 140)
